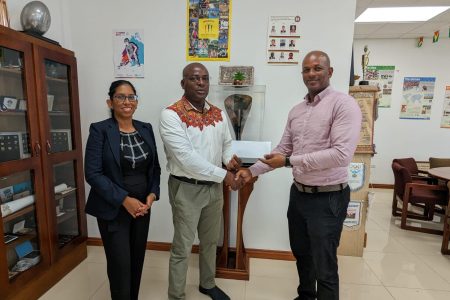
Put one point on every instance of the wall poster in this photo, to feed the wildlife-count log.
(445, 121)
(283, 40)
(208, 30)
(418, 93)
(128, 50)
(381, 77)
(366, 102)
(353, 218)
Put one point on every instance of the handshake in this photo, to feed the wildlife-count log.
(235, 178)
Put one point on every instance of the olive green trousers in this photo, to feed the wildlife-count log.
(195, 208)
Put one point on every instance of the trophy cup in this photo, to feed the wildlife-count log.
(364, 64)
(238, 107)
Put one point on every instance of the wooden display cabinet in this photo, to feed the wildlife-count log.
(41, 168)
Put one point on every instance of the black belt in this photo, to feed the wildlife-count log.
(193, 181)
(319, 189)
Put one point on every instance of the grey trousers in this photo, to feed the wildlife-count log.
(194, 208)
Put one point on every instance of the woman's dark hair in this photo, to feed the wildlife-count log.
(116, 84)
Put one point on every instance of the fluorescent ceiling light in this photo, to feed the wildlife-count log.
(400, 14)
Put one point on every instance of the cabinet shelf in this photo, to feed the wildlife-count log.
(19, 213)
(59, 113)
(59, 196)
(66, 216)
(13, 113)
(58, 80)
(21, 238)
(16, 71)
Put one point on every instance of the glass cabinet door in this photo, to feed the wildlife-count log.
(61, 138)
(14, 126)
(19, 222)
(59, 107)
(65, 204)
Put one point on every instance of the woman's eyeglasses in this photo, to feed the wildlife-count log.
(121, 98)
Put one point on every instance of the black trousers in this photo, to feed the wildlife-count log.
(315, 226)
(124, 240)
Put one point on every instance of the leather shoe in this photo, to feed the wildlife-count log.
(214, 293)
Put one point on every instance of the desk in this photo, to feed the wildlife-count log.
(444, 174)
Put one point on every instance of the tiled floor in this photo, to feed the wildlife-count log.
(397, 264)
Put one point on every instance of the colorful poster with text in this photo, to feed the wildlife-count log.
(381, 77)
(418, 93)
(208, 30)
(128, 49)
(445, 121)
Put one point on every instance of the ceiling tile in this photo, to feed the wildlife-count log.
(429, 27)
(365, 28)
(416, 36)
(443, 17)
(364, 3)
(393, 3)
(384, 36)
(360, 36)
(432, 3)
(396, 28)
(359, 11)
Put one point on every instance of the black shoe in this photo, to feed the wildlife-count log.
(214, 293)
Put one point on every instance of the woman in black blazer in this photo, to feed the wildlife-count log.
(122, 168)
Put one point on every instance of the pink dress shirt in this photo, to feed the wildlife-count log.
(321, 138)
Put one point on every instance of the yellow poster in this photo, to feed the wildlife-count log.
(208, 30)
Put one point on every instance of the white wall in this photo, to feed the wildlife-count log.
(395, 138)
(86, 27)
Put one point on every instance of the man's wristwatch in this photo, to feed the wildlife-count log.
(287, 161)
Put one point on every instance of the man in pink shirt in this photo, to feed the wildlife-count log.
(318, 142)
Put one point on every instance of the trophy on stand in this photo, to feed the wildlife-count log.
(237, 107)
(364, 64)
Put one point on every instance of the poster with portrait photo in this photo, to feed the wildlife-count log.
(208, 30)
(128, 51)
(283, 57)
(283, 35)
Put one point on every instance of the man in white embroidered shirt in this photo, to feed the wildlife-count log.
(196, 141)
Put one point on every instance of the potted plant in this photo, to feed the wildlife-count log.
(238, 78)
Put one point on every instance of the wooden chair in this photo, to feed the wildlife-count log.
(411, 165)
(417, 175)
(409, 192)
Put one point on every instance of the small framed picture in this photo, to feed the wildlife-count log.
(228, 74)
(8, 103)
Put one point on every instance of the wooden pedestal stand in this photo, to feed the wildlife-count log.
(233, 263)
(353, 239)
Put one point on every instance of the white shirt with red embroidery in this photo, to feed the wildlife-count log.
(196, 144)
